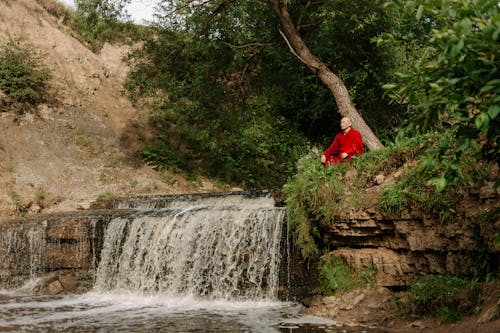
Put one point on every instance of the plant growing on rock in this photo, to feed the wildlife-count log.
(317, 196)
(336, 276)
(23, 75)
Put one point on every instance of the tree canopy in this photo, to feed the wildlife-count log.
(242, 88)
(228, 74)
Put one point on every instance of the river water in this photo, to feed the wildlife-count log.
(198, 265)
(113, 312)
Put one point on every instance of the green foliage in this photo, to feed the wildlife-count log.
(226, 86)
(100, 21)
(419, 189)
(446, 297)
(312, 190)
(199, 108)
(336, 276)
(106, 195)
(341, 33)
(161, 156)
(23, 75)
(316, 195)
(453, 83)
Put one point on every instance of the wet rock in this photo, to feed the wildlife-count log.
(69, 283)
(351, 303)
(55, 287)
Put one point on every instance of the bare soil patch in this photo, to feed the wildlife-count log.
(83, 142)
(381, 309)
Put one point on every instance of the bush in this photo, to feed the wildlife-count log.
(100, 21)
(447, 297)
(453, 83)
(316, 195)
(23, 77)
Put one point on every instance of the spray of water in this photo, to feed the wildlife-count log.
(222, 250)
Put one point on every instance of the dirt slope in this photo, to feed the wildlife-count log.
(80, 144)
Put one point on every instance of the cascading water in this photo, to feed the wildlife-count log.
(222, 250)
(176, 264)
(21, 249)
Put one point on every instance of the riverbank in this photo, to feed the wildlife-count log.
(383, 309)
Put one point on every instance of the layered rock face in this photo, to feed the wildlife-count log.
(56, 252)
(402, 247)
(65, 247)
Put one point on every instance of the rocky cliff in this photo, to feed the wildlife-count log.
(402, 247)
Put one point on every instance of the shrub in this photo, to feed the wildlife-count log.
(447, 297)
(161, 155)
(453, 82)
(23, 77)
(100, 21)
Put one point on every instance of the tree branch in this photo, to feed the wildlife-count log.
(290, 46)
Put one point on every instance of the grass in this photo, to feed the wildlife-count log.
(336, 276)
(446, 297)
(106, 195)
(316, 197)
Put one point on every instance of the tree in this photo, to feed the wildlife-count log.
(453, 83)
(332, 81)
(100, 20)
(206, 14)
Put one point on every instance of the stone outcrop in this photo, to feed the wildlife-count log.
(60, 250)
(402, 247)
(398, 247)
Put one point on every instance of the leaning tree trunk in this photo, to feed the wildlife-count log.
(332, 81)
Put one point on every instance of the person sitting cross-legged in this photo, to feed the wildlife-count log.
(346, 144)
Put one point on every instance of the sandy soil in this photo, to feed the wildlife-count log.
(83, 142)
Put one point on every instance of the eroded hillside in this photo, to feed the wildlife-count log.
(81, 143)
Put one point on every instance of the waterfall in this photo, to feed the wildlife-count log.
(21, 249)
(226, 247)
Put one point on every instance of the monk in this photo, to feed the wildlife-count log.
(345, 145)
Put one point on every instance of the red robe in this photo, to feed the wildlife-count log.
(350, 143)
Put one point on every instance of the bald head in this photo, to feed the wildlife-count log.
(345, 123)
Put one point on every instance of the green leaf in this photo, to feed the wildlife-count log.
(482, 121)
(420, 12)
(457, 48)
(493, 111)
(441, 184)
(434, 85)
(486, 88)
(389, 86)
